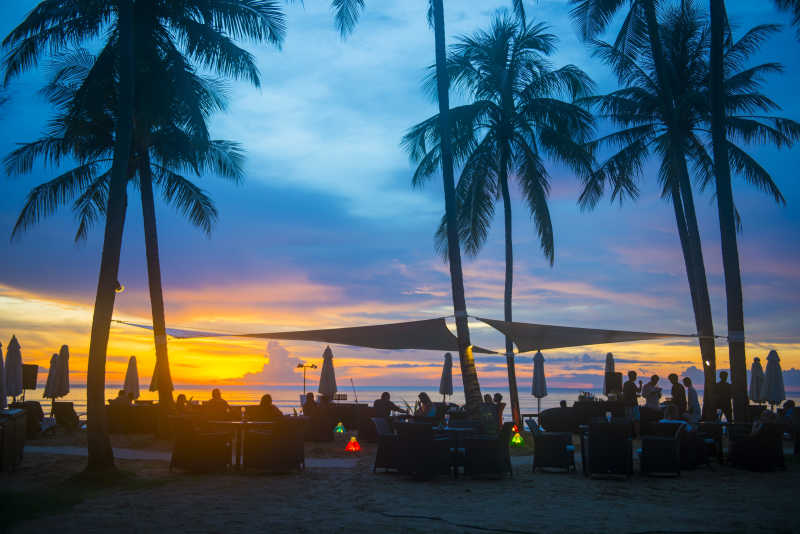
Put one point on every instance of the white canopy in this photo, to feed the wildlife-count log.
(774, 392)
(756, 381)
(3, 402)
(446, 382)
(608, 369)
(131, 386)
(13, 368)
(327, 378)
(539, 386)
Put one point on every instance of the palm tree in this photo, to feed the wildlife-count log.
(206, 30)
(793, 6)
(347, 14)
(640, 31)
(516, 118)
(639, 109)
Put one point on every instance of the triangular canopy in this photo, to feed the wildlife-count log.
(530, 336)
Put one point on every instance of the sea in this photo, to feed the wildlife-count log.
(287, 398)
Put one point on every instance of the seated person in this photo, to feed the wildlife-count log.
(217, 406)
(384, 406)
(425, 407)
(763, 419)
(500, 406)
(309, 405)
(123, 399)
(266, 410)
(181, 404)
(562, 404)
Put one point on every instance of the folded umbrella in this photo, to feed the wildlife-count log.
(609, 369)
(774, 392)
(13, 368)
(131, 386)
(756, 381)
(3, 402)
(327, 378)
(446, 382)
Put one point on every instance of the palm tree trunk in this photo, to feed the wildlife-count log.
(154, 278)
(727, 221)
(469, 375)
(100, 454)
(695, 269)
(701, 299)
(512, 373)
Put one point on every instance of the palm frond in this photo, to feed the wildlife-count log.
(346, 14)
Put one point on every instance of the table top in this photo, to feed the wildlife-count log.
(242, 423)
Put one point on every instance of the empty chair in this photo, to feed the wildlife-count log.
(661, 450)
(64, 413)
(389, 453)
(278, 449)
(489, 455)
(200, 452)
(607, 449)
(553, 450)
(762, 451)
(423, 454)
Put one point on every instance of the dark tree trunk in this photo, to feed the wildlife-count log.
(509, 286)
(164, 376)
(727, 220)
(699, 288)
(101, 456)
(469, 375)
(695, 269)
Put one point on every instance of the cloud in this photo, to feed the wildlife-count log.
(280, 367)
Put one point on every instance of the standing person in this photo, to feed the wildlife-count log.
(630, 397)
(722, 392)
(652, 393)
(693, 402)
(500, 406)
(678, 394)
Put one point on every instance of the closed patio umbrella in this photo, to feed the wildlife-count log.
(756, 381)
(774, 392)
(62, 382)
(446, 382)
(3, 402)
(131, 386)
(609, 369)
(539, 385)
(49, 387)
(13, 368)
(327, 378)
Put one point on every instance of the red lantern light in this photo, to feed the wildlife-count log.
(353, 445)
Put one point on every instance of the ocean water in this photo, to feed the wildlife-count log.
(287, 398)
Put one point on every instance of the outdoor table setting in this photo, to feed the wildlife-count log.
(239, 429)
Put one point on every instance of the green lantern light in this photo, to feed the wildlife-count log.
(339, 428)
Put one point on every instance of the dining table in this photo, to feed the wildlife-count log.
(239, 429)
(456, 435)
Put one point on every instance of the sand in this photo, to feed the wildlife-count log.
(345, 496)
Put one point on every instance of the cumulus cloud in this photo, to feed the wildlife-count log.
(280, 367)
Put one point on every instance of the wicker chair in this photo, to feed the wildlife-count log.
(389, 453)
(661, 451)
(607, 449)
(199, 452)
(760, 452)
(423, 455)
(279, 449)
(553, 450)
(489, 455)
(64, 413)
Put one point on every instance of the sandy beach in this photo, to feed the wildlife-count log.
(338, 494)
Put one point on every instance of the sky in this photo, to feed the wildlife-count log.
(326, 230)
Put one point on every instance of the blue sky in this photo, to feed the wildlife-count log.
(327, 231)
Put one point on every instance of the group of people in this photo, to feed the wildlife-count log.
(219, 407)
(684, 396)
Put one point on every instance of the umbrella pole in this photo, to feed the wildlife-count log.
(538, 412)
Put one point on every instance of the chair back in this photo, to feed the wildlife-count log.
(414, 431)
(65, 415)
(382, 426)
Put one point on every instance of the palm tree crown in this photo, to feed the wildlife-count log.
(515, 120)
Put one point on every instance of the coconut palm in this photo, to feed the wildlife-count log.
(204, 31)
(639, 31)
(640, 110)
(347, 14)
(792, 6)
(517, 116)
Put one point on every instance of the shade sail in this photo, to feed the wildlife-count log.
(531, 336)
(428, 334)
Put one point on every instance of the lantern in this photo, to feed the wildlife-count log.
(517, 441)
(339, 428)
(352, 445)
